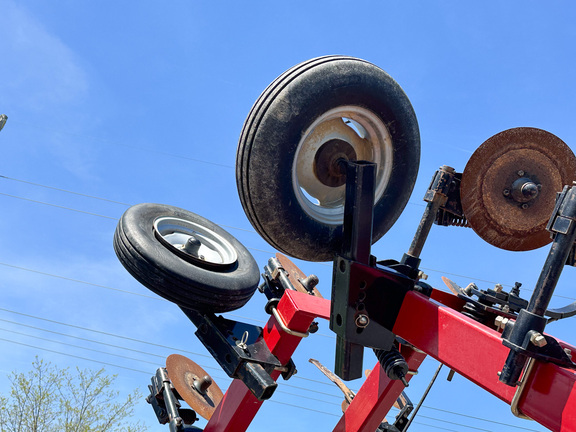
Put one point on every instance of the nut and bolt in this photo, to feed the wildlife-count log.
(500, 322)
(201, 385)
(469, 288)
(506, 192)
(520, 173)
(362, 321)
(524, 206)
(422, 275)
(568, 352)
(498, 288)
(538, 340)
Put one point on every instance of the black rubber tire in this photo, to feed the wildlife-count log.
(162, 271)
(277, 122)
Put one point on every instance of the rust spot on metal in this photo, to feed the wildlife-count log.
(509, 186)
(194, 385)
(295, 275)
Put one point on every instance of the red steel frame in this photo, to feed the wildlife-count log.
(435, 329)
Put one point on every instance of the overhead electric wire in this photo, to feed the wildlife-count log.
(64, 190)
(222, 225)
(92, 340)
(132, 369)
(478, 418)
(136, 359)
(58, 206)
(338, 396)
(135, 340)
(80, 281)
(96, 285)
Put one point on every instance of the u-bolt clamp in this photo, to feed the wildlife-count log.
(284, 327)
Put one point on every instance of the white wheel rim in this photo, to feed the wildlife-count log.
(365, 132)
(209, 248)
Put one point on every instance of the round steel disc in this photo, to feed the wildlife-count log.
(183, 372)
(295, 275)
(491, 184)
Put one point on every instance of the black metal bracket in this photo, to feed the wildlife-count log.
(239, 349)
(368, 303)
(357, 240)
(164, 400)
(525, 336)
(436, 196)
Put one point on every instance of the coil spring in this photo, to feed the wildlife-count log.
(393, 363)
(471, 310)
(446, 218)
(459, 221)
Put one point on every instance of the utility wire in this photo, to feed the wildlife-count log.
(80, 281)
(139, 360)
(58, 206)
(65, 190)
(224, 226)
(246, 230)
(135, 340)
(92, 340)
(217, 369)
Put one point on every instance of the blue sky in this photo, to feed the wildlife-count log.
(135, 102)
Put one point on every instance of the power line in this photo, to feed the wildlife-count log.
(479, 418)
(64, 190)
(206, 367)
(92, 340)
(58, 206)
(80, 281)
(132, 340)
(224, 226)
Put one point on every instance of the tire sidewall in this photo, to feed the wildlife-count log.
(291, 113)
(174, 278)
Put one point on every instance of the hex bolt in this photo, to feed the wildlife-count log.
(500, 322)
(192, 245)
(202, 384)
(524, 206)
(498, 288)
(506, 192)
(520, 173)
(422, 275)
(537, 339)
(362, 321)
(539, 186)
(309, 282)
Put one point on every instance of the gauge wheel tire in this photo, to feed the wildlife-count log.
(319, 111)
(166, 271)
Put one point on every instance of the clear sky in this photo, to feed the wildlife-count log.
(128, 102)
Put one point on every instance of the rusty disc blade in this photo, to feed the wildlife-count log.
(509, 186)
(452, 286)
(295, 275)
(183, 373)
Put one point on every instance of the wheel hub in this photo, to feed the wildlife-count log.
(194, 243)
(328, 166)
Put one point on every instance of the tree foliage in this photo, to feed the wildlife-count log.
(51, 399)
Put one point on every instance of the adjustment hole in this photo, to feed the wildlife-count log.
(362, 285)
(338, 320)
(342, 266)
